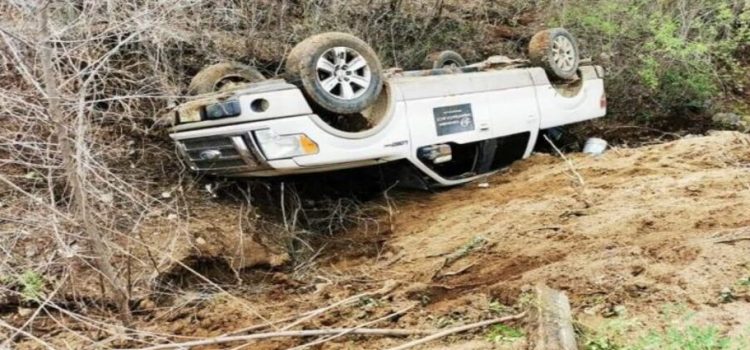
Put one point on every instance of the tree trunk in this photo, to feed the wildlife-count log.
(73, 155)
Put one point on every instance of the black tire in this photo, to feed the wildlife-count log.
(344, 91)
(555, 50)
(215, 77)
(444, 59)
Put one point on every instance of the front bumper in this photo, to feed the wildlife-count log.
(234, 151)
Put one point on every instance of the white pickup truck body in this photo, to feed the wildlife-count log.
(423, 110)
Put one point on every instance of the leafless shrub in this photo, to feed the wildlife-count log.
(90, 182)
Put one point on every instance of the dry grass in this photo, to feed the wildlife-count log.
(88, 177)
(86, 170)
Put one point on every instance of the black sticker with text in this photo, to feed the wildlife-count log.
(453, 119)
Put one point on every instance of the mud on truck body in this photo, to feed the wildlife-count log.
(336, 108)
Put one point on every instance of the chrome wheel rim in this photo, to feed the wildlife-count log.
(343, 73)
(563, 52)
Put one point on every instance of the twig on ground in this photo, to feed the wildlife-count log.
(458, 329)
(389, 287)
(732, 240)
(36, 312)
(304, 317)
(326, 339)
(303, 333)
(459, 271)
(732, 237)
(570, 164)
(545, 228)
(27, 334)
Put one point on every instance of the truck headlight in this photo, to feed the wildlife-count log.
(276, 146)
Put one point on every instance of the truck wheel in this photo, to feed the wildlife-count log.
(222, 75)
(337, 72)
(556, 51)
(444, 59)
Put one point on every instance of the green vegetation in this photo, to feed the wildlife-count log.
(501, 333)
(687, 338)
(498, 308)
(32, 285)
(683, 333)
(611, 335)
(672, 56)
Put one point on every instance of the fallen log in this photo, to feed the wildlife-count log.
(550, 314)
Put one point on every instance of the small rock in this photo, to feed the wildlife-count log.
(614, 310)
(70, 251)
(107, 198)
(732, 120)
(620, 310)
(592, 311)
(319, 287)
(211, 189)
(24, 312)
(726, 295)
(30, 252)
(727, 118)
(146, 304)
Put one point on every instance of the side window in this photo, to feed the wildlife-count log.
(456, 161)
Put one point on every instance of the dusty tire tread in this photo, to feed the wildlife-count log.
(205, 81)
(436, 60)
(300, 69)
(540, 54)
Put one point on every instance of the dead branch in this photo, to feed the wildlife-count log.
(732, 240)
(570, 164)
(457, 272)
(30, 320)
(327, 339)
(72, 154)
(304, 333)
(389, 287)
(26, 334)
(304, 317)
(458, 329)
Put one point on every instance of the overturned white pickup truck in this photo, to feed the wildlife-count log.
(337, 109)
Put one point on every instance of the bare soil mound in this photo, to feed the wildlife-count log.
(633, 229)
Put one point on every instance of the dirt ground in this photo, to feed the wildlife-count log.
(627, 235)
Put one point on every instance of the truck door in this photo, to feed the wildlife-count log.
(462, 110)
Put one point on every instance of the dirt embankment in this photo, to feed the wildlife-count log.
(649, 227)
(646, 228)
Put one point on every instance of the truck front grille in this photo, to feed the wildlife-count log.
(219, 154)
